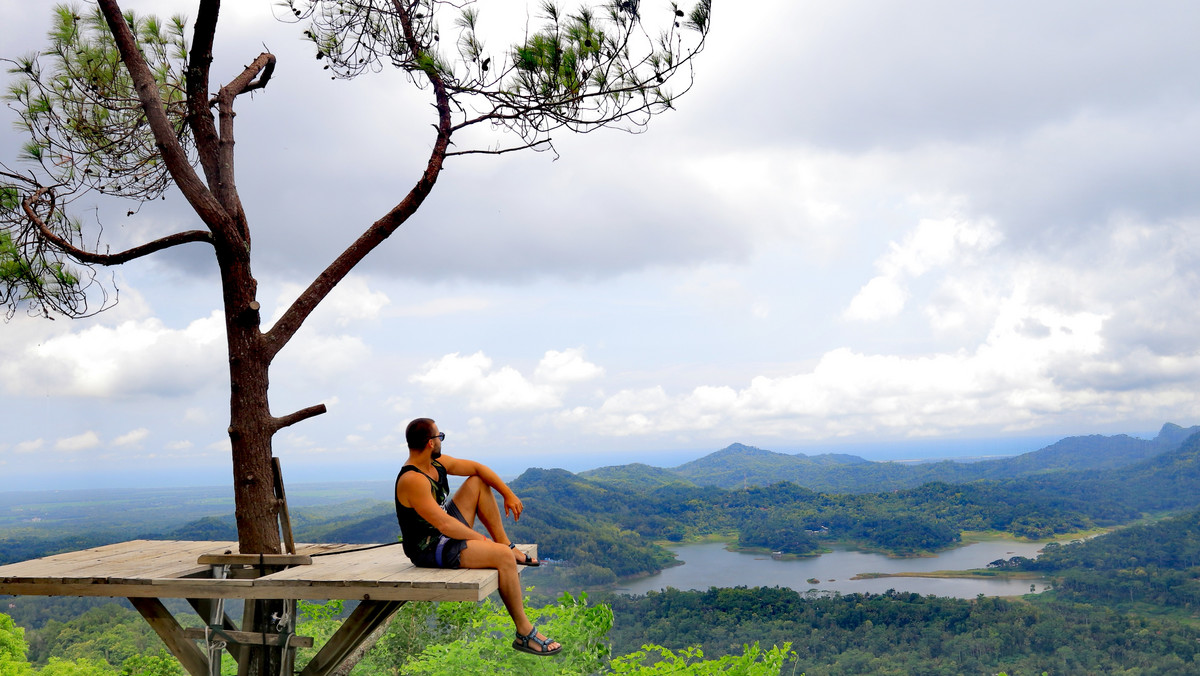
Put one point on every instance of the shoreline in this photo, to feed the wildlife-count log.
(974, 574)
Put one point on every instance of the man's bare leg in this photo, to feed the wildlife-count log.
(475, 498)
(480, 554)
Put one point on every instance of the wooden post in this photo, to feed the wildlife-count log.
(249, 608)
(285, 520)
(215, 618)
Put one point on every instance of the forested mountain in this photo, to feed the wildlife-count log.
(1156, 563)
(738, 466)
(637, 476)
(564, 509)
(604, 530)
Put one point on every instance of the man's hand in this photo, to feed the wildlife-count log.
(513, 507)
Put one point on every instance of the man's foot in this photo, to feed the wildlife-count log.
(535, 644)
(523, 558)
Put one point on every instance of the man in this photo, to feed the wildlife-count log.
(440, 533)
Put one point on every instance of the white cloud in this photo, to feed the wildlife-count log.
(938, 243)
(30, 446)
(1005, 383)
(134, 357)
(568, 366)
(880, 298)
(934, 243)
(133, 438)
(505, 388)
(79, 442)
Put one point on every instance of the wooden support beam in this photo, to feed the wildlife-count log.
(366, 618)
(249, 609)
(285, 520)
(164, 624)
(249, 637)
(204, 608)
(264, 560)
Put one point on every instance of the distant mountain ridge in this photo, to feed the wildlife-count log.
(739, 465)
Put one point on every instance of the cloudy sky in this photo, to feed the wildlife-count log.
(901, 229)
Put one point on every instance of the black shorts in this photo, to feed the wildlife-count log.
(446, 552)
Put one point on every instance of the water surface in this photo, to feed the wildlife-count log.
(711, 565)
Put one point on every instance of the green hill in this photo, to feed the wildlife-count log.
(635, 476)
(739, 466)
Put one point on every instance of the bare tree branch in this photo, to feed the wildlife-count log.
(173, 153)
(227, 187)
(503, 151)
(200, 117)
(301, 415)
(380, 230)
(90, 257)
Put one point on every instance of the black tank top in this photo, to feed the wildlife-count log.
(420, 535)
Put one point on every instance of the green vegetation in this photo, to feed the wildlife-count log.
(898, 633)
(424, 638)
(107, 641)
(1125, 602)
(1156, 564)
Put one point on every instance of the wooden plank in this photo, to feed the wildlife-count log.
(255, 560)
(166, 569)
(138, 558)
(312, 591)
(160, 619)
(312, 549)
(76, 562)
(285, 520)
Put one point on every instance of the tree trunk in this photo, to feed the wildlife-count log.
(251, 428)
(251, 425)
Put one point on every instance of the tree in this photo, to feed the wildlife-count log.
(12, 648)
(125, 108)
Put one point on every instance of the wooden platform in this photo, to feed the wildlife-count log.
(172, 569)
(207, 574)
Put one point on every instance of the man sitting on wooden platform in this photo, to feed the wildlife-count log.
(439, 533)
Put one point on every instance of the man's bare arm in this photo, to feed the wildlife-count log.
(413, 491)
(461, 467)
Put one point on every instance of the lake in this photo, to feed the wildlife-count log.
(711, 565)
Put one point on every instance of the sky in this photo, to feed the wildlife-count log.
(897, 229)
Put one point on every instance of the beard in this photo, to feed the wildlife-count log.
(437, 453)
